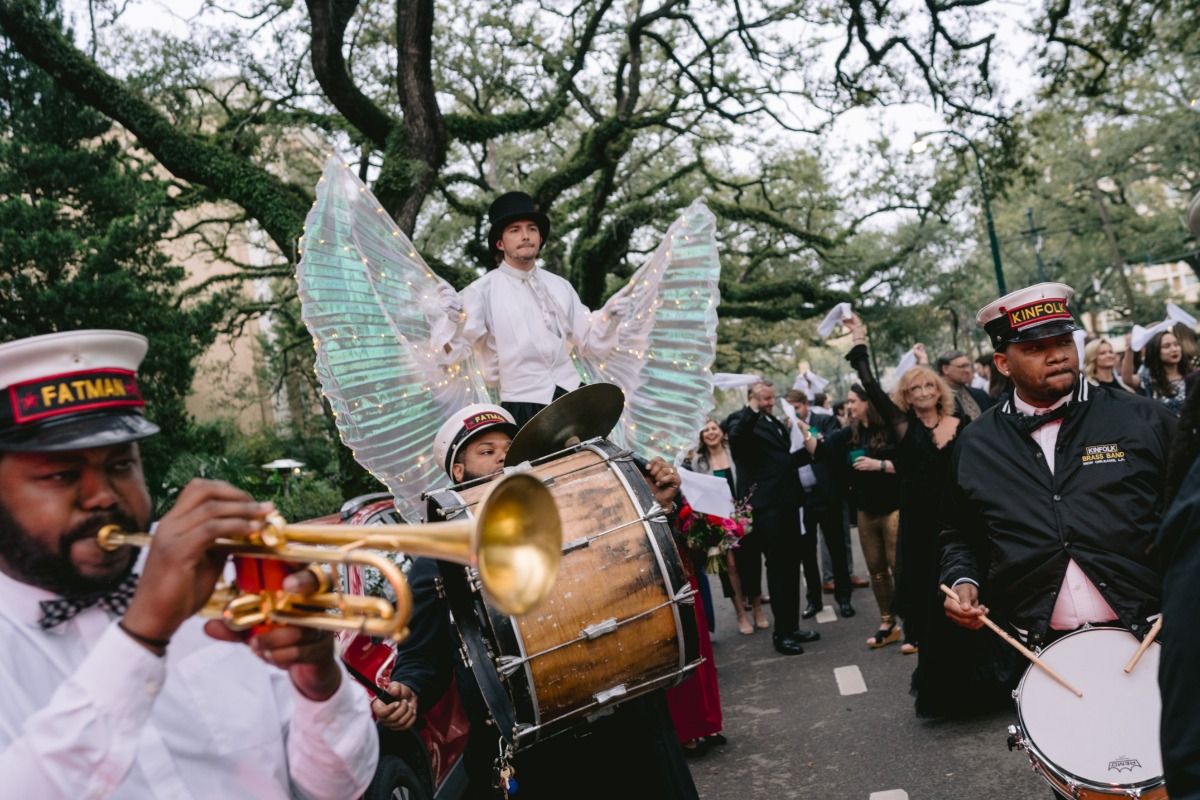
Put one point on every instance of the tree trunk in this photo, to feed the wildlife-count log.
(1111, 234)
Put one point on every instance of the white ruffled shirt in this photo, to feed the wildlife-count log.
(86, 712)
(523, 326)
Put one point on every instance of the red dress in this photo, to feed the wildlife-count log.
(696, 703)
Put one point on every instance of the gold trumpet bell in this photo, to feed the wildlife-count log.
(520, 543)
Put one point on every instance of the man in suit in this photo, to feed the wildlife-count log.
(762, 453)
(823, 509)
(969, 402)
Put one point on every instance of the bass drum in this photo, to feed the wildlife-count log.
(1104, 744)
(619, 621)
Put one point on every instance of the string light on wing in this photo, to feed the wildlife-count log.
(667, 341)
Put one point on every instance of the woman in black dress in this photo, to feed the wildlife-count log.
(959, 672)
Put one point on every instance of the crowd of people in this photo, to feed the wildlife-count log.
(1030, 481)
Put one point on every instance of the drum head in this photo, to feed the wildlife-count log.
(1110, 735)
(587, 413)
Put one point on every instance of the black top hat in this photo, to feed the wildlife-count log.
(513, 207)
(72, 391)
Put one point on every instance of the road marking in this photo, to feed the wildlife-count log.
(890, 794)
(850, 681)
(826, 615)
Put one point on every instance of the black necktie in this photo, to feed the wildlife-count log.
(57, 611)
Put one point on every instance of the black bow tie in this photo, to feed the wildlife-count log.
(1030, 423)
(57, 611)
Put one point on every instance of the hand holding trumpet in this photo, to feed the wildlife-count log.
(181, 572)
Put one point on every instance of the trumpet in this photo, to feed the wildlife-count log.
(514, 541)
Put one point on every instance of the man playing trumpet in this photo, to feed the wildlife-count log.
(109, 685)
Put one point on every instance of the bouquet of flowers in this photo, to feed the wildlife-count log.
(712, 535)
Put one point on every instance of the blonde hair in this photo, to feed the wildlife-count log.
(910, 379)
(1090, 352)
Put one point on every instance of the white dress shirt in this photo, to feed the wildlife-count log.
(523, 326)
(1079, 601)
(86, 712)
(808, 478)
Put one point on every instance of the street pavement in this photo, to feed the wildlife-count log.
(794, 733)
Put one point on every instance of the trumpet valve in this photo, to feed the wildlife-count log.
(273, 532)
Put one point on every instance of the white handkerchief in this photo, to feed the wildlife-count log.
(707, 494)
(1080, 337)
(732, 380)
(817, 383)
(801, 384)
(1177, 314)
(840, 312)
(797, 435)
(907, 362)
(1140, 336)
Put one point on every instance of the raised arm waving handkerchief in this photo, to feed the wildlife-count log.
(840, 312)
(1140, 336)
(907, 362)
(1177, 314)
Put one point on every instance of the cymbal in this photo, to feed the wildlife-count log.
(577, 416)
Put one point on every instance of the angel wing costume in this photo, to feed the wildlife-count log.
(375, 313)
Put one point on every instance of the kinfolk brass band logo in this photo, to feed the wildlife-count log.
(1103, 454)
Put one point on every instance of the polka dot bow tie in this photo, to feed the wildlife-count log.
(57, 611)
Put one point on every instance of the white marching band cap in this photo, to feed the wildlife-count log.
(72, 391)
(1035, 312)
(456, 431)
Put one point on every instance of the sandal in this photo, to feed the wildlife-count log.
(908, 648)
(884, 636)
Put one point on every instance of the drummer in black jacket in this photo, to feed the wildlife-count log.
(1056, 493)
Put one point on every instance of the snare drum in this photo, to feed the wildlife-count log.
(619, 621)
(1104, 744)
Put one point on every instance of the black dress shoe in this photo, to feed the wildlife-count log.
(812, 610)
(787, 645)
(803, 637)
(845, 609)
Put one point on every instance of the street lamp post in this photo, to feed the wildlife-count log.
(920, 145)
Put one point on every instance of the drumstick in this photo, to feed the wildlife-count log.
(1154, 629)
(1025, 651)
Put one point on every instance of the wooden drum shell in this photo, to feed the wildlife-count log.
(620, 579)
